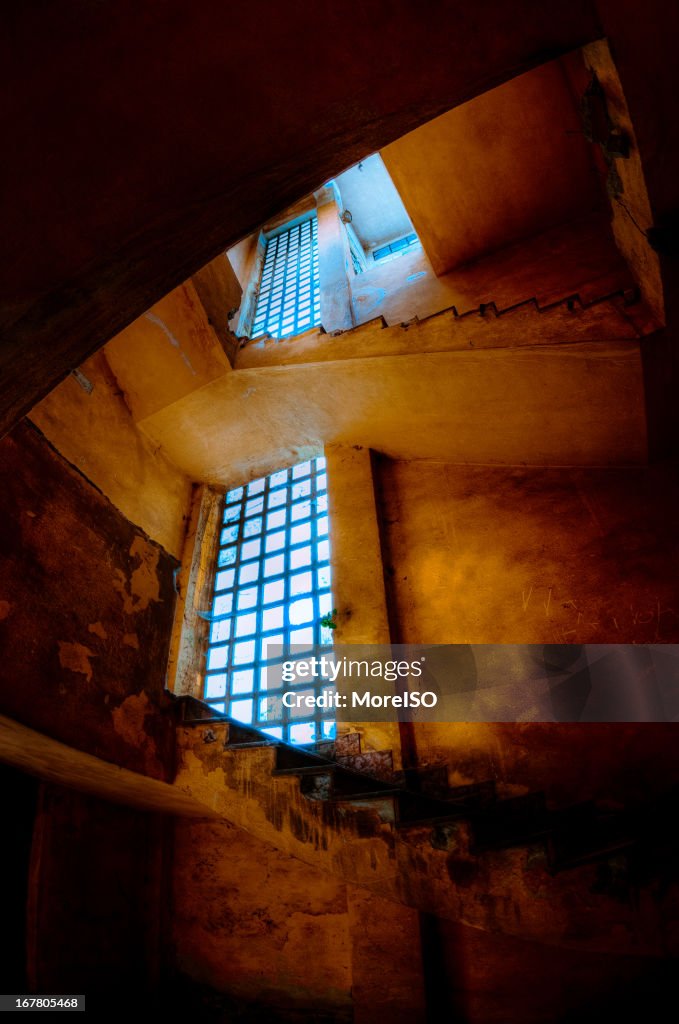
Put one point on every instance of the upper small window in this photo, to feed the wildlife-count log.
(289, 302)
(398, 248)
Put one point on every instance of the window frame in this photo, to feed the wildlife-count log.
(298, 496)
(301, 278)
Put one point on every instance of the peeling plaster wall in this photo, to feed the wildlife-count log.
(97, 434)
(252, 924)
(490, 555)
(86, 604)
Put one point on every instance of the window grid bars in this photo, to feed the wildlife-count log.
(282, 494)
(289, 299)
(386, 253)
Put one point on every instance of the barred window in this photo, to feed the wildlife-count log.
(271, 589)
(289, 302)
(385, 253)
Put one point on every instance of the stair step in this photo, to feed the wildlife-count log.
(240, 734)
(195, 711)
(346, 745)
(377, 764)
(302, 771)
(249, 746)
(292, 758)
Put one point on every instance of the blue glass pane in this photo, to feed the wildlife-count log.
(234, 495)
(241, 710)
(276, 731)
(215, 686)
(303, 732)
(302, 510)
(300, 583)
(278, 479)
(275, 542)
(301, 533)
(246, 625)
(273, 618)
(247, 598)
(301, 611)
(271, 647)
(243, 681)
(301, 489)
(223, 604)
(224, 579)
(248, 573)
(244, 652)
(276, 519)
(300, 557)
(250, 549)
(302, 637)
(226, 557)
(217, 657)
(274, 591)
(252, 527)
(229, 535)
(277, 498)
(274, 566)
(220, 631)
(270, 708)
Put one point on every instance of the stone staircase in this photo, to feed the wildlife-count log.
(620, 314)
(463, 852)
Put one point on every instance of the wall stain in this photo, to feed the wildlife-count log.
(76, 658)
(5, 608)
(128, 719)
(170, 337)
(98, 629)
(143, 586)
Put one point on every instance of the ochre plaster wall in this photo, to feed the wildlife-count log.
(489, 555)
(96, 433)
(498, 169)
(86, 604)
(576, 258)
(170, 350)
(258, 926)
(580, 404)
